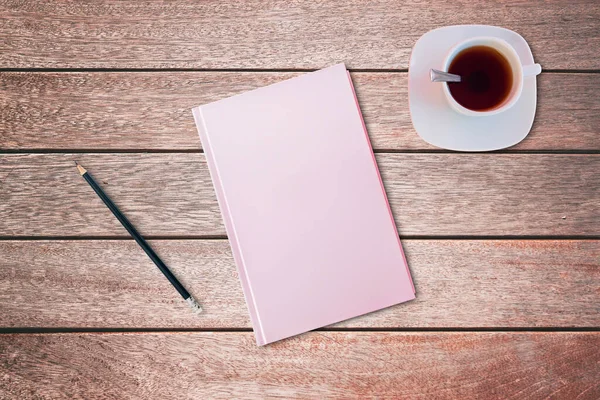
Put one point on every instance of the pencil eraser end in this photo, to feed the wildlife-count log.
(194, 305)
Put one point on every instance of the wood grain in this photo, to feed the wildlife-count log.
(110, 283)
(460, 284)
(277, 33)
(430, 194)
(315, 365)
(118, 110)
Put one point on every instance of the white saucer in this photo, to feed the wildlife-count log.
(433, 117)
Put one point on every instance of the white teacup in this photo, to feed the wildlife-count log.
(518, 70)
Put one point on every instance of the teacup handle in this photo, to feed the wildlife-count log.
(532, 70)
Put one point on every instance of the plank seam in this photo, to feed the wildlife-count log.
(7, 331)
(254, 70)
(9, 238)
(377, 151)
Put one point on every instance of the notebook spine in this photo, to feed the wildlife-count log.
(387, 202)
(229, 226)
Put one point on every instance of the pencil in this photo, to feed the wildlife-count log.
(140, 240)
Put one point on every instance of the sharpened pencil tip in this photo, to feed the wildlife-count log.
(80, 168)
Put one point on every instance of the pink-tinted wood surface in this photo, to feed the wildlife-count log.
(151, 110)
(277, 34)
(504, 248)
(460, 284)
(342, 365)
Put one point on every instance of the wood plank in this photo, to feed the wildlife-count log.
(316, 365)
(276, 33)
(120, 110)
(460, 284)
(430, 194)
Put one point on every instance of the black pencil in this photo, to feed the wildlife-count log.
(139, 239)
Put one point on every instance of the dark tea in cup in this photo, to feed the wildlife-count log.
(487, 78)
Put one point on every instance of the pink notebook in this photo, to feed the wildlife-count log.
(305, 210)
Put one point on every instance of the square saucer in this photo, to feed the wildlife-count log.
(438, 123)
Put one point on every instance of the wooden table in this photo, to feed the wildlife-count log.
(504, 247)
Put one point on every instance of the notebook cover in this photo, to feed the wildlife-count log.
(304, 207)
